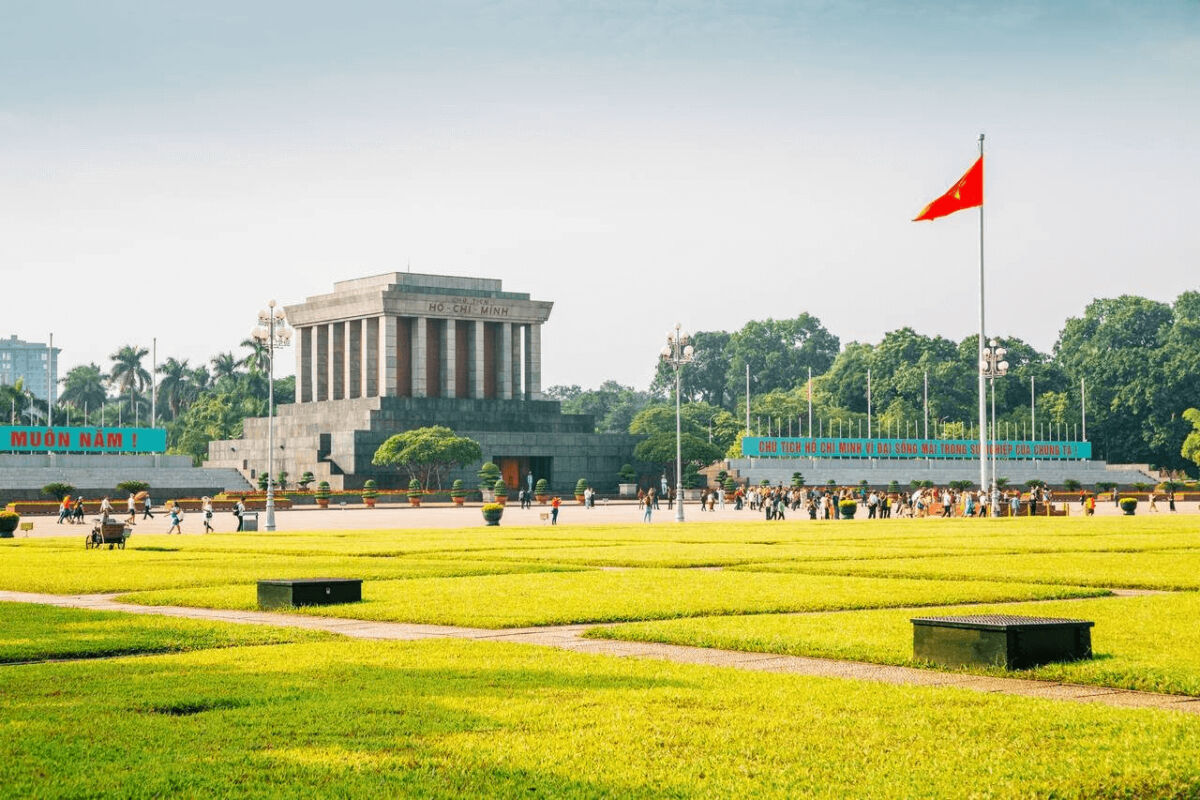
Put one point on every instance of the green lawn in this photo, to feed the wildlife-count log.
(470, 719)
(79, 571)
(31, 632)
(555, 598)
(1149, 643)
(1169, 569)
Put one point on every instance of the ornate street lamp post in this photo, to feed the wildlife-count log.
(272, 331)
(993, 366)
(677, 352)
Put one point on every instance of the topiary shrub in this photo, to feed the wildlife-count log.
(626, 474)
(305, 480)
(414, 488)
(132, 487)
(581, 486)
(322, 492)
(541, 488)
(58, 490)
(847, 508)
(501, 489)
(457, 492)
(730, 486)
(8, 523)
(1129, 505)
(370, 490)
(488, 474)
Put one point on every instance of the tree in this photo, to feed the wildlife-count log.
(612, 405)
(1191, 445)
(84, 387)
(176, 387)
(705, 378)
(224, 365)
(128, 375)
(258, 359)
(427, 454)
(779, 353)
(132, 486)
(659, 449)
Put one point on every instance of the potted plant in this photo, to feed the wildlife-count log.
(492, 513)
(797, 480)
(305, 480)
(1129, 505)
(457, 493)
(8, 523)
(369, 493)
(541, 491)
(730, 486)
(322, 494)
(627, 477)
(414, 492)
(847, 508)
(501, 489)
(489, 473)
(581, 486)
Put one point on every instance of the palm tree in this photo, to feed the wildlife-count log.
(84, 388)
(224, 365)
(128, 375)
(259, 359)
(176, 385)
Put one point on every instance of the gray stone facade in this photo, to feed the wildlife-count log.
(399, 351)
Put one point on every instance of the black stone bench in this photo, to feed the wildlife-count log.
(1001, 640)
(308, 592)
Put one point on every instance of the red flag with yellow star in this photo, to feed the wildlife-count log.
(967, 193)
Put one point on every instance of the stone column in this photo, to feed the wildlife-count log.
(477, 358)
(304, 386)
(504, 363)
(353, 358)
(364, 358)
(321, 364)
(419, 366)
(533, 362)
(387, 356)
(449, 359)
(337, 361)
(515, 360)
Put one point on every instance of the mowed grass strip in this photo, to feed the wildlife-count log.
(472, 719)
(505, 601)
(1169, 569)
(80, 571)
(33, 632)
(1149, 643)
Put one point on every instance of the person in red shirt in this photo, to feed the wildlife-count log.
(554, 504)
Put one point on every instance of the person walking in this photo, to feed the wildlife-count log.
(206, 510)
(554, 504)
(77, 510)
(1153, 503)
(147, 505)
(1171, 500)
(131, 506)
(648, 510)
(64, 511)
(239, 510)
(176, 519)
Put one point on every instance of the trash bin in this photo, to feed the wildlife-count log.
(249, 520)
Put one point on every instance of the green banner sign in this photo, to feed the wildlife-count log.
(799, 447)
(61, 439)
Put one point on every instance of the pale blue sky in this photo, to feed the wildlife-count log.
(637, 163)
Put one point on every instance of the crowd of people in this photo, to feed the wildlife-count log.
(71, 511)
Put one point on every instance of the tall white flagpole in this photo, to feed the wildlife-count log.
(868, 402)
(747, 399)
(810, 430)
(153, 381)
(983, 461)
(1083, 406)
(926, 404)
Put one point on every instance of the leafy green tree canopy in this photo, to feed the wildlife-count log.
(427, 454)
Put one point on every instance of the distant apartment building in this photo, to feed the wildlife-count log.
(32, 361)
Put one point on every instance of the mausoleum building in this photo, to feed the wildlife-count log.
(392, 352)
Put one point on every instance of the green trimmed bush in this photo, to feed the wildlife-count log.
(730, 486)
(488, 474)
(1128, 505)
(322, 492)
(581, 486)
(457, 490)
(8, 523)
(627, 474)
(58, 490)
(542, 487)
(848, 508)
(370, 490)
(132, 487)
(414, 488)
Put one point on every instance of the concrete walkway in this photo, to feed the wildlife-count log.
(568, 637)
